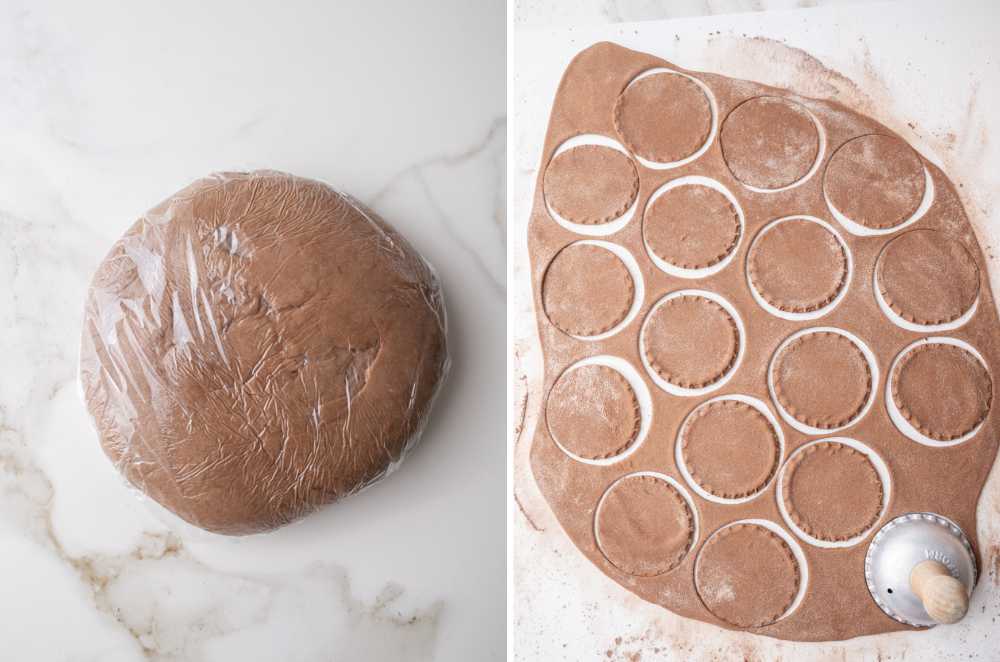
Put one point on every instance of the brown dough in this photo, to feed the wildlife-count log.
(682, 112)
(593, 412)
(943, 390)
(747, 576)
(822, 379)
(769, 142)
(692, 226)
(836, 604)
(259, 345)
(927, 277)
(730, 449)
(588, 290)
(798, 266)
(875, 180)
(691, 341)
(591, 184)
(644, 526)
(832, 491)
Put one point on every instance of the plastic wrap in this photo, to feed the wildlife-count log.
(259, 345)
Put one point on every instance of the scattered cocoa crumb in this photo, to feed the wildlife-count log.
(531, 522)
(995, 557)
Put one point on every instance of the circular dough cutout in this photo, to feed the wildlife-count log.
(644, 525)
(832, 492)
(875, 180)
(692, 226)
(927, 277)
(690, 341)
(943, 390)
(822, 379)
(587, 290)
(730, 449)
(769, 142)
(590, 184)
(663, 117)
(747, 575)
(592, 412)
(797, 265)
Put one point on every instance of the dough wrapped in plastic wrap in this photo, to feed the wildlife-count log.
(259, 345)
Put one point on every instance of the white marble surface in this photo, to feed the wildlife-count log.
(567, 13)
(107, 108)
(927, 70)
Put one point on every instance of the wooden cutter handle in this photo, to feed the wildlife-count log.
(944, 597)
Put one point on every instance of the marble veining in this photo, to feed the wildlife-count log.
(106, 110)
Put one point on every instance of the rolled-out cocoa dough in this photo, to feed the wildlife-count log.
(822, 379)
(875, 180)
(927, 277)
(591, 184)
(797, 266)
(730, 448)
(943, 390)
(258, 345)
(769, 142)
(692, 227)
(748, 578)
(691, 341)
(588, 290)
(832, 491)
(644, 526)
(592, 412)
(683, 117)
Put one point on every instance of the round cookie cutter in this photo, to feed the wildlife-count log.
(920, 570)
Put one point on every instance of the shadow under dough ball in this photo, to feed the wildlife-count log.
(259, 345)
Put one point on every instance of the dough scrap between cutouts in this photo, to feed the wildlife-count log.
(944, 384)
(730, 449)
(691, 341)
(587, 290)
(747, 576)
(591, 184)
(592, 412)
(829, 384)
(832, 491)
(644, 526)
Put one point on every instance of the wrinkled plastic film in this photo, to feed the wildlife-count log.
(259, 345)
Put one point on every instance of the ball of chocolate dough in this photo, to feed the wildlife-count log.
(259, 345)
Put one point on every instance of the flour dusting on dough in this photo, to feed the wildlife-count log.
(959, 149)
